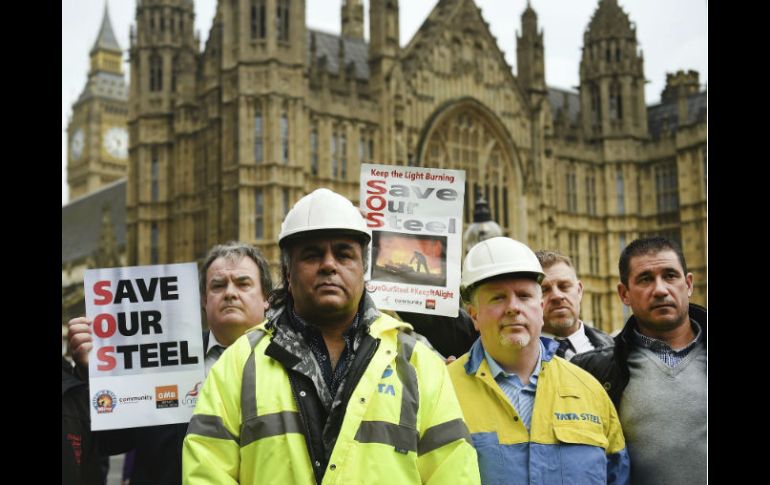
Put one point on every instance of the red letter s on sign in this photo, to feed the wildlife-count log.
(105, 355)
(102, 288)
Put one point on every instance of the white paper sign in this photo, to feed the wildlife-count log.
(416, 218)
(146, 366)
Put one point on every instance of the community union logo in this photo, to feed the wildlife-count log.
(104, 401)
(192, 396)
(166, 397)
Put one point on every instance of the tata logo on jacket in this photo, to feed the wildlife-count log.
(383, 388)
(166, 397)
(578, 417)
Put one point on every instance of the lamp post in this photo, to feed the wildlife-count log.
(483, 226)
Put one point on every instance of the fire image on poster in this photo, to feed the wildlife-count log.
(415, 215)
(409, 258)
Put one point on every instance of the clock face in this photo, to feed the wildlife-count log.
(116, 142)
(77, 143)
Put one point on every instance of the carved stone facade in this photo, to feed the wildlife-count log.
(224, 141)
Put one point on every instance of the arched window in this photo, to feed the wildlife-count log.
(334, 151)
(616, 102)
(284, 137)
(314, 150)
(466, 140)
(156, 72)
(174, 73)
(257, 17)
(282, 20)
(596, 107)
(258, 134)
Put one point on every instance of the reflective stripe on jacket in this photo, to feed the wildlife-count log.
(575, 436)
(403, 423)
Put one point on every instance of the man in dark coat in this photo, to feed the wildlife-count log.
(562, 295)
(80, 460)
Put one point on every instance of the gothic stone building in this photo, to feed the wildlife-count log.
(222, 142)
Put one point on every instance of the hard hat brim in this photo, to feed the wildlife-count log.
(466, 291)
(289, 239)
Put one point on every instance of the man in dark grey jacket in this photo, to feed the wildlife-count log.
(562, 294)
(656, 372)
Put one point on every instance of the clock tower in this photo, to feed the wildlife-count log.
(97, 136)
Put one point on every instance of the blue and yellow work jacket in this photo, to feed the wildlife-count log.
(402, 423)
(574, 437)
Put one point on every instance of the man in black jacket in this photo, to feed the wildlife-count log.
(562, 295)
(450, 336)
(235, 284)
(656, 372)
(80, 460)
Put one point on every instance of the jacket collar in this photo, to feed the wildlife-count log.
(624, 340)
(476, 354)
(370, 318)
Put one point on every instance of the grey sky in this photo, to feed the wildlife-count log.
(672, 34)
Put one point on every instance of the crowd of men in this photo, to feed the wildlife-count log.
(328, 389)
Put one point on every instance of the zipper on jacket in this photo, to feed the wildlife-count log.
(318, 467)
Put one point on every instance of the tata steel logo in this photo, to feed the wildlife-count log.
(166, 397)
(191, 398)
(104, 401)
(384, 388)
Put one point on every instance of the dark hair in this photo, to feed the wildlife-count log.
(548, 258)
(280, 294)
(237, 250)
(647, 245)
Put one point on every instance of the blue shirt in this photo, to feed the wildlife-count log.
(663, 351)
(521, 396)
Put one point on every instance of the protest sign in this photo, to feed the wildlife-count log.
(415, 215)
(146, 365)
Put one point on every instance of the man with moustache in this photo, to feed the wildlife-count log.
(562, 294)
(328, 390)
(533, 417)
(656, 371)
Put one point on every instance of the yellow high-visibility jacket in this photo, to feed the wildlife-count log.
(575, 435)
(403, 423)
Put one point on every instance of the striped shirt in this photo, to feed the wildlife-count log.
(521, 397)
(663, 351)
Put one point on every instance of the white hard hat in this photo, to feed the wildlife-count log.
(498, 256)
(323, 210)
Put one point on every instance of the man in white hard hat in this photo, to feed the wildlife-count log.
(533, 417)
(328, 389)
